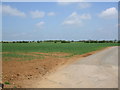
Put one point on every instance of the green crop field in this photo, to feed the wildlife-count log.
(75, 48)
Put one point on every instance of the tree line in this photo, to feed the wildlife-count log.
(65, 41)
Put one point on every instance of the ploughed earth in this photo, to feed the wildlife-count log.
(17, 70)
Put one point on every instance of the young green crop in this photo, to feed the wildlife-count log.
(73, 48)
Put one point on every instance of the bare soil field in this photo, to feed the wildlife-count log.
(16, 72)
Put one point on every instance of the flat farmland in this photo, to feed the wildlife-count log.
(28, 61)
(73, 48)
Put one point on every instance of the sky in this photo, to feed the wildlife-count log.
(59, 21)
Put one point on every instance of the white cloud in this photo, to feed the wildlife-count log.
(109, 13)
(73, 19)
(37, 14)
(84, 5)
(76, 19)
(51, 14)
(6, 9)
(40, 24)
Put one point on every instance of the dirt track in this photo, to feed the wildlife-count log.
(99, 70)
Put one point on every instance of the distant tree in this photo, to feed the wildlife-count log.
(65, 41)
(55, 41)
